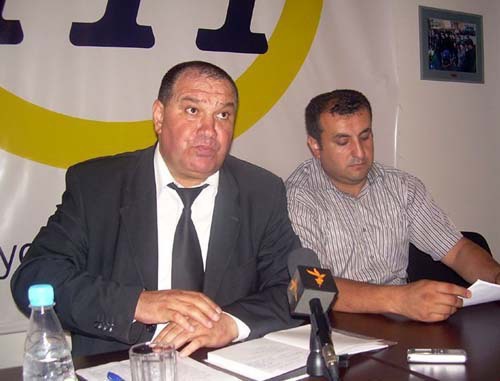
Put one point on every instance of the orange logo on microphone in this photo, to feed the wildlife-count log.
(293, 288)
(318, 277)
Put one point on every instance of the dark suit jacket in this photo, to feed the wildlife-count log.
(100, 250)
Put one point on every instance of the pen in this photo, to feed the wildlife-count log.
(114, 377)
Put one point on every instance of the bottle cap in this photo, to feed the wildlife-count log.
(41, 295)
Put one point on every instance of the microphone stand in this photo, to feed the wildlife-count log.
(316, 364)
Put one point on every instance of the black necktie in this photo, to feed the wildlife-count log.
(187, 263)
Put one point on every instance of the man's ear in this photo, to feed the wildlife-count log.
(314, 146)
(158, 109)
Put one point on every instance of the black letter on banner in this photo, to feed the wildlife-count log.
(234, 35)
(7, 263)
(117, 28)
(11, 32)
(24, 247)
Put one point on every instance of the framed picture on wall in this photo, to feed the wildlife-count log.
(451, 46)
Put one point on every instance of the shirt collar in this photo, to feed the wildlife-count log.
(376, 173)
(163, 176)
(322, 181)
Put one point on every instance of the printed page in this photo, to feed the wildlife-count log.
(283, 351)
(259, 359)
(343, 342)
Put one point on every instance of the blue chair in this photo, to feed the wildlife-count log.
(422, 266)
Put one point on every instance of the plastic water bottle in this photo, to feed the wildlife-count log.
(46, 353)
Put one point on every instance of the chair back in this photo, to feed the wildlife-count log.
(422, 266)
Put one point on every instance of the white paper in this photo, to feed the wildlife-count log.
(99, 373)
(482, 292)
(259, 359)
(284, 351)
(187, 370)
(344, 343)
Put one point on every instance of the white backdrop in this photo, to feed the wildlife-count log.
(61, 103)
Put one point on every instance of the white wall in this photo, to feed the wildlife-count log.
(448, 132)
(11, 350)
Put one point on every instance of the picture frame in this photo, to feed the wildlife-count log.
(451, 45)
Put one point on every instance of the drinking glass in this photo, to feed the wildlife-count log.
(153, 362)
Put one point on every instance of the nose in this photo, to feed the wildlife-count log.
(358, 149)
(207, 126)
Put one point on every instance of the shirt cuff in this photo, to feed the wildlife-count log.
(243, 329)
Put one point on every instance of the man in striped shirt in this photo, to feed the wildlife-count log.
(359, 217)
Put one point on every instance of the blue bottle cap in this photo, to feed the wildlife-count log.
(41, 295)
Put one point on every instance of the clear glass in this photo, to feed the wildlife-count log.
(153, 362)
(46, 353)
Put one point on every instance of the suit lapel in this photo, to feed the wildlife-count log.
(140, 221)
(223, 233)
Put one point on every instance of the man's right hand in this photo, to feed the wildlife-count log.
(176, 306)
(429, 301)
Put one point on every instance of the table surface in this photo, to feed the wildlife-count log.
(475, 329)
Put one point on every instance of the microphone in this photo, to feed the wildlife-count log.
(310, 292)
(309, 281)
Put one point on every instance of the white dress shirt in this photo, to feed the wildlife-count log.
(169, 209)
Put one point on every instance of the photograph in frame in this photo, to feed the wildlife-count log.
(451, 45)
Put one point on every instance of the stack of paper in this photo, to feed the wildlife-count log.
(284, 351)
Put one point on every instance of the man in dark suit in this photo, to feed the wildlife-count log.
(109, 253)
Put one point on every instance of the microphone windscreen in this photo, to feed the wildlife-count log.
(302, 257)
(309, 281)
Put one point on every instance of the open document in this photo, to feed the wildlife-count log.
(187, 369)
(483, 292)
(284, 351)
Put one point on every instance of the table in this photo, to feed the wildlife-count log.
(475, 329)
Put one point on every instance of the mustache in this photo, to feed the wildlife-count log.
(357, 161)
(205, 141)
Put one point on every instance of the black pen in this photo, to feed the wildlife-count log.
(114, 377)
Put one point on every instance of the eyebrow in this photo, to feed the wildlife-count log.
(196, 100)
(341, 135)
(189, 99)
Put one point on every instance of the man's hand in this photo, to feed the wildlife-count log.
(429, 301)
(177, 306)
(221, 333)
(497, 279)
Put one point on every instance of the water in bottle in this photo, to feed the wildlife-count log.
(46, 353)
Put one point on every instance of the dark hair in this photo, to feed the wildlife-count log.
(340, 102)
(201, 67)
